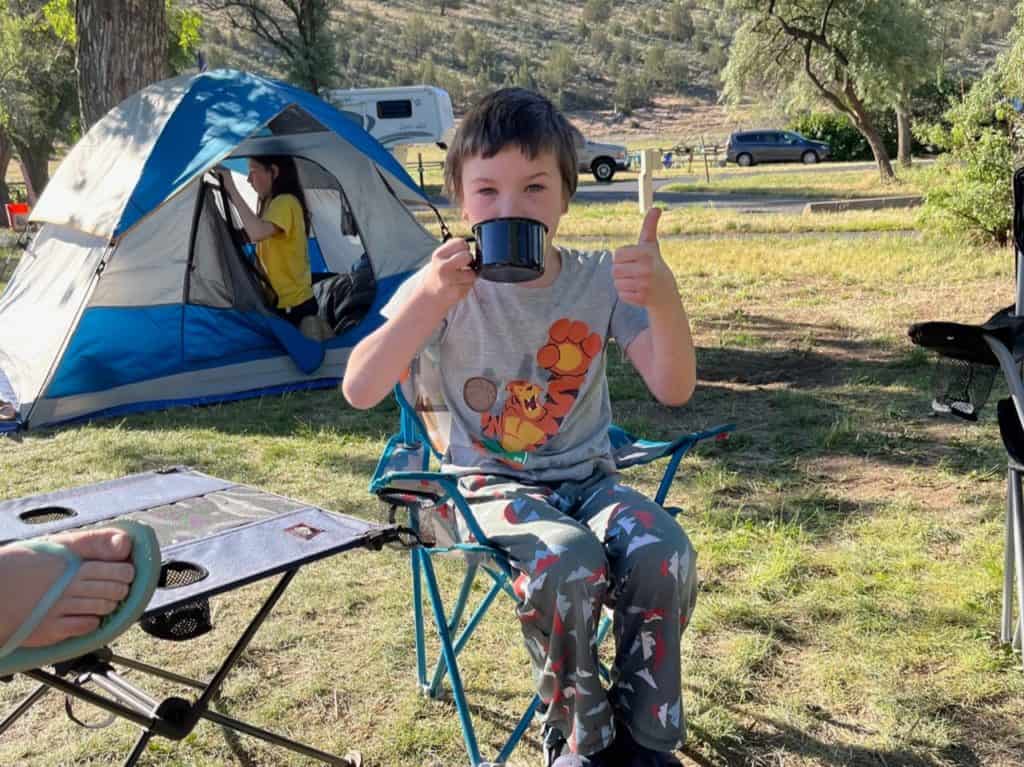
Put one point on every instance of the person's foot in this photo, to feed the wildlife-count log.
(605, 758)
(101, 583)
(628, 753)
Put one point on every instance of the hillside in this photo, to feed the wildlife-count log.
(629, 68)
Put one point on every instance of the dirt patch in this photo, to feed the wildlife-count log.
(669, 118)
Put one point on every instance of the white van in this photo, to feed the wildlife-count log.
(410, 114)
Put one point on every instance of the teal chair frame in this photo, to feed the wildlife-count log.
(403, 479)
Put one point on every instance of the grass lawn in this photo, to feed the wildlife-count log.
(828, 181)
(849, 543)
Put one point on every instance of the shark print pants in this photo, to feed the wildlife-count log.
(578, 547)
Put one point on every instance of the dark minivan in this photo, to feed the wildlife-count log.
(749, 147)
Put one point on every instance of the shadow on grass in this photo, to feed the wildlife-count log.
(770, 741)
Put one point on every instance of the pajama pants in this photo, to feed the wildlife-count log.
(577, 547)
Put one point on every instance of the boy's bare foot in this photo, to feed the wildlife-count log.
(102, 581)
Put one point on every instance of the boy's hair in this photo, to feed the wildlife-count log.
(512, 116)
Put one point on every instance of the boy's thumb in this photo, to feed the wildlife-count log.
(649, 229)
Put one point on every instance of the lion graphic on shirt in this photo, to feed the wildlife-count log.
(531, 414)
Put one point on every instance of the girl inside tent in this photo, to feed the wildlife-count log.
(279, 228)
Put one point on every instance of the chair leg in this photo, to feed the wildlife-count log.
(453, 624)
(1006, 624)
(520, 730)
(415, 555)
(448, 652)
(1018, 549)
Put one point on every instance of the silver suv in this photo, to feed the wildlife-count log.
(603, 160)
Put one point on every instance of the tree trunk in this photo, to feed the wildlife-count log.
(122, 48)
(862, 122)
(6, 152)
(903, 131)
(35, 167)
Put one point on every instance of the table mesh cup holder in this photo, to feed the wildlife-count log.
(185, 621)
(961, 388)
(45, 514)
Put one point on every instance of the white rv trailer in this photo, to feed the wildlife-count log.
(410, 114)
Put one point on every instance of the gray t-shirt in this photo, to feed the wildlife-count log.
(522, 371)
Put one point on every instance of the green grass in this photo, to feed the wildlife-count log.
(831, 181)
(849, 544)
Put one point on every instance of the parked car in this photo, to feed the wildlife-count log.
(603, 160)
(750, 147)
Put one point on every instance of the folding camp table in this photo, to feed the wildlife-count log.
(215, 536)
(972, 350)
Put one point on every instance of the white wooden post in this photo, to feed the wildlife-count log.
(648, 162)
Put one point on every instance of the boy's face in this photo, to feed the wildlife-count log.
(509, 185)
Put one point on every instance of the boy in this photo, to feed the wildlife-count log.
(523, 374)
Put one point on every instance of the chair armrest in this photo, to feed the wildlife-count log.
(435, 486)
(628, 450)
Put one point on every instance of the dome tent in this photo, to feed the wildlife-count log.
(135, 292)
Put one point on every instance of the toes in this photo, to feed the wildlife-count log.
(84, 607)
(118, 572)
(112, 590)
(56, 630)
(106, 544)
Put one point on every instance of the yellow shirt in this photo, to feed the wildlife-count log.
(284, 255)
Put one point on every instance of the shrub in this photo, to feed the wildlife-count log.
(970, 190)
(838, 132)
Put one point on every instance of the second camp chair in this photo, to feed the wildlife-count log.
(404, 481)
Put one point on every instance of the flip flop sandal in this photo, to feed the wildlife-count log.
(145, 557)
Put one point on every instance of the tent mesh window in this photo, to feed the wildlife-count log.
(961, 388)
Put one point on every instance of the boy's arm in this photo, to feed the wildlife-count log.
(663, 354)
(379, 360)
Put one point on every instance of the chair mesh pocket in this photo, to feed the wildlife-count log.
(180, 623)
(961, 388)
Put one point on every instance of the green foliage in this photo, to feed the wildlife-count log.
(557, 73)
(970, 188)
(679, 23)
(37, 93)
(837, 131)
(597, 11)
(184, 34)
(418, 35)
(631, 91)
(60, 15)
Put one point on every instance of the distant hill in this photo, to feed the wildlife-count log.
(621, 68)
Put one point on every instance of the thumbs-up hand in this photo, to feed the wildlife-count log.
(641, 276)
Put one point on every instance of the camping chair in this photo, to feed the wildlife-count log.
(403, 480)
(969, 355)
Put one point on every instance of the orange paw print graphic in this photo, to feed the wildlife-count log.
(569, 349)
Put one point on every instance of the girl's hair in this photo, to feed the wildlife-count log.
(285, 182)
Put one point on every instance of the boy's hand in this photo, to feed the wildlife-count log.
(449, 277)
(641, 276)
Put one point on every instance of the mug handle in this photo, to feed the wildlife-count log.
(477, 261)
